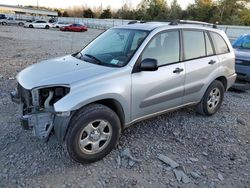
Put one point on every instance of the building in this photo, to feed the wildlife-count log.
(19, 11)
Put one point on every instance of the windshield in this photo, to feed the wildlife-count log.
(114, 47)
(243, 42)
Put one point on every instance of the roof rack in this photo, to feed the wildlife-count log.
(177, 22)
(135, 21)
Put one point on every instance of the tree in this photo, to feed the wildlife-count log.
(153, 10)
(65, 14)
(88, 13)
(175, 11)
(106, 14)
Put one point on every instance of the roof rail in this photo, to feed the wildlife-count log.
(177, 22)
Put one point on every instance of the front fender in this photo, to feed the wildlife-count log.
(117, 87)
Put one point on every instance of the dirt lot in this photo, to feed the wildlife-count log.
(211, 151)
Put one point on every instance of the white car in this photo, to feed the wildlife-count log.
(60, 24)
(38, 24)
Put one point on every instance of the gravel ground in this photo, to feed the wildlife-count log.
(209, 151)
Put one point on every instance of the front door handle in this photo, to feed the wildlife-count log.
(178, 70)
(211, 62)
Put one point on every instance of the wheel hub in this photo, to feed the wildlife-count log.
(95, 135)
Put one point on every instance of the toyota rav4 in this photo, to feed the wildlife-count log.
(127, 74)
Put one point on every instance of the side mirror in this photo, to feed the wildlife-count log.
(149, 65)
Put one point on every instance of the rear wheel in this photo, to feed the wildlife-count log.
(4, 23)
(212, 99)
(21, 24)
(31, 26)
(93, 133)
(46, 27)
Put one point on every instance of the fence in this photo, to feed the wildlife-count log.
(233, 32)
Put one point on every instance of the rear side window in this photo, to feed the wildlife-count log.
(194, 44)
(219, 43)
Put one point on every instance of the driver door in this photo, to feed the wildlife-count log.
(155, 91)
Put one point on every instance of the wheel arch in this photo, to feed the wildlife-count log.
(223, 80)
(61, 124)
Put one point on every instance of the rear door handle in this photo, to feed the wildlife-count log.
(211, 62)
(178, 70)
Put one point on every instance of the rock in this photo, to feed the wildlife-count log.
(131, 163)
(195, 175)
(204, 153)
(220, 177)
(193, 159)
(119, 161)
(181, 176)
(168, 161)
(241, 121)
(126, 153)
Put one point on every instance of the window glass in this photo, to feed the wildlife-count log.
(165, 48)
(138, 39)
(243, 42)
(219, 43)
(194, 44)
(208, 45)
(115, 47)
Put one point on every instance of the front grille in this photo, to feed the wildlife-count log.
(242, 62)
(26, 98)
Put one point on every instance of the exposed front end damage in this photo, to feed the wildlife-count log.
(36, 108)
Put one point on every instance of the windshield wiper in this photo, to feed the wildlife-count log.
(94, 58)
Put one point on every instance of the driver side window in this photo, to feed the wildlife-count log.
(165, 48)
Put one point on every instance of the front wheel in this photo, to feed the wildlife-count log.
(212, 99)
(46, 27)
(93, 133)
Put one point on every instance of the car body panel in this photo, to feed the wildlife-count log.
(157, 90)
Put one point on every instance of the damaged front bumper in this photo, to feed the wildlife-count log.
(40, 121)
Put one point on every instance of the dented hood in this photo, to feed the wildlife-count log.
(59, 71)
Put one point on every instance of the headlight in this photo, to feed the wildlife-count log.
(47, 97)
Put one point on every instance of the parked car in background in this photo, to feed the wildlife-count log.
(38, 24)
(11, 20)
(74, 27)
(242, 63)
(60, 24)
(2, 16)
(127, 74)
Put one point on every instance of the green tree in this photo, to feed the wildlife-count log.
(175, 11)
(106, 14)
(88, 13)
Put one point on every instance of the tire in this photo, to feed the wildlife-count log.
(4, 23)
(31, 26)
(212, 99)
(46, 27)
(93, 132)
(21, 24)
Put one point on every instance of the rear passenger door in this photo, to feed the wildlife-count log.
(200, 63)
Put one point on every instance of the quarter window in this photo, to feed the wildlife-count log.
(194, 44)
(165, 48)
(219, 43)
(208, 46)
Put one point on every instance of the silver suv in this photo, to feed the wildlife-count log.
(127, 74)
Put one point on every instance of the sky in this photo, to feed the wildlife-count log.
(115, 4)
